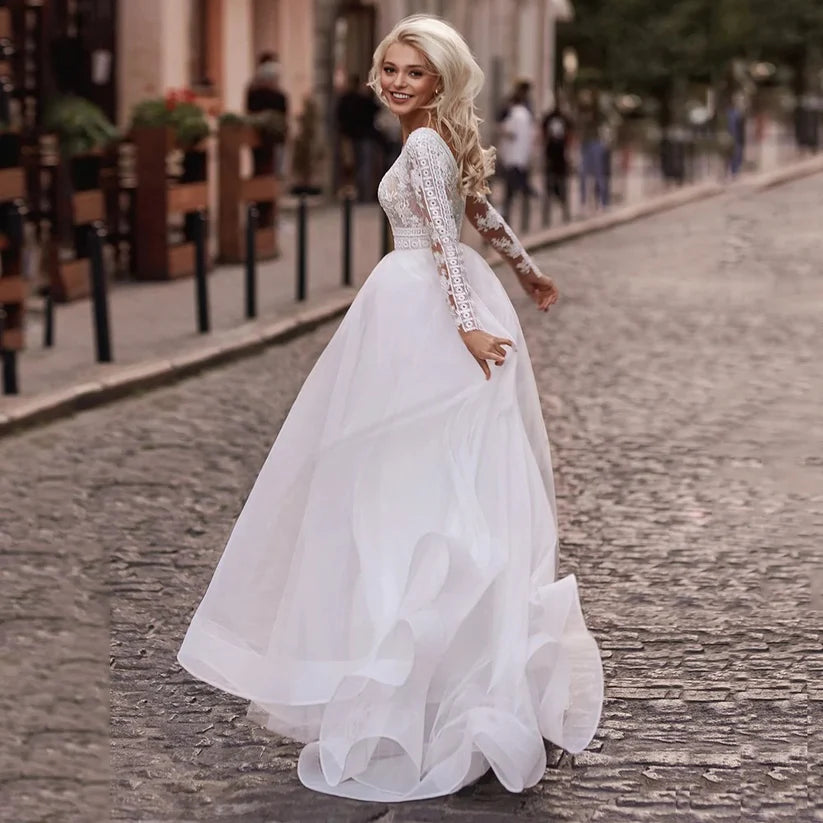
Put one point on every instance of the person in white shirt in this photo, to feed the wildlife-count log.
(518, 134)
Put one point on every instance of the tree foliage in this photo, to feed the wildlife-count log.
(647, 46)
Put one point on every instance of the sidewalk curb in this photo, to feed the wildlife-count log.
(617, 217)
(767, 180)
(136, 377)
(671, 200)
(130, 379)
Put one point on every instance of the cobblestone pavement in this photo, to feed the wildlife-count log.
(681, 379)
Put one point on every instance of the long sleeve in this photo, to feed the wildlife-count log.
(433, 174)
(488, 222)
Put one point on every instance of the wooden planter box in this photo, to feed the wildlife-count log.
(119, 188)
(12, 183)
(158, 199)
(76, 201)
(13, 288)
(236, 192)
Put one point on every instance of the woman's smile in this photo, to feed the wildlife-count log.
(406, 81)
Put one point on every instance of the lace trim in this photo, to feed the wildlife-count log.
(410, 238)
(405, 243)
(445, 243)
(487, 220)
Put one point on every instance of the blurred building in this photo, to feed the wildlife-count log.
(118, 52)
(511, 39)
(211, 45)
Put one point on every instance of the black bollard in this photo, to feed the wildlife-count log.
(10, 373)
(99, 298)
(200, 283)
(16, 222)
(546, 215)
(9, 359)
(48, 318)
(252, 216)
(525, 213)
(301, 247)
(385, 246)
(348, 200)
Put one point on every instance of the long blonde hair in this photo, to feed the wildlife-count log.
(452, 111)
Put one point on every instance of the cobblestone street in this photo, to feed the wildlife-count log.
(681, 381)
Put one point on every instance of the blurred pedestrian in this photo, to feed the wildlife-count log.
(307, 152)
(556, 136)
(593, 153)
(736, 125)
(357, 111)
(517, 141)
(263, 94)
(807, 123)
(391, 137)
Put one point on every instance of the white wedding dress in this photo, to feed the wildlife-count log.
(388, 593)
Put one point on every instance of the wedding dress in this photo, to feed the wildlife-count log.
(388, 594)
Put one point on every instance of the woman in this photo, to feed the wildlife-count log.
(388, 593)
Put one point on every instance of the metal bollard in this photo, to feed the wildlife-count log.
(201, 285)
(99, 297)
(10, 385)
(9, 359)
(385, 246)
(15, 232)
(348, 201)
(252, 217)
(16, 222)
(545, 202)
(48, 318)
(301, 248)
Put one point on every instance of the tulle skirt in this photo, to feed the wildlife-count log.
(388, 594)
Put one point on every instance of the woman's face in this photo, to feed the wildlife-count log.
(406, 83)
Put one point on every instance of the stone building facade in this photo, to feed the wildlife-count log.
(211, 46)
(510, 39)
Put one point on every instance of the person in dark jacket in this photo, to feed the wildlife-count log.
(357, 111)
(263, 94)
(556, 135)
(594, 160)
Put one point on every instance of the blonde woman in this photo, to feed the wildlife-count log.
(388, 593)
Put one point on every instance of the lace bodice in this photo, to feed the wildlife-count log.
(421, 196)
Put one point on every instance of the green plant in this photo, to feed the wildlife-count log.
(177, 111)
(150, 114)
(189, 123)
(270, 125)
(79, 124)
(229, 118)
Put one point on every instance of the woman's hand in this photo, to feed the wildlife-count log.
(541, 289)
(484, 346)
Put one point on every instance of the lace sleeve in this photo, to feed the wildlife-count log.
(486, 219)
(432, 171)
